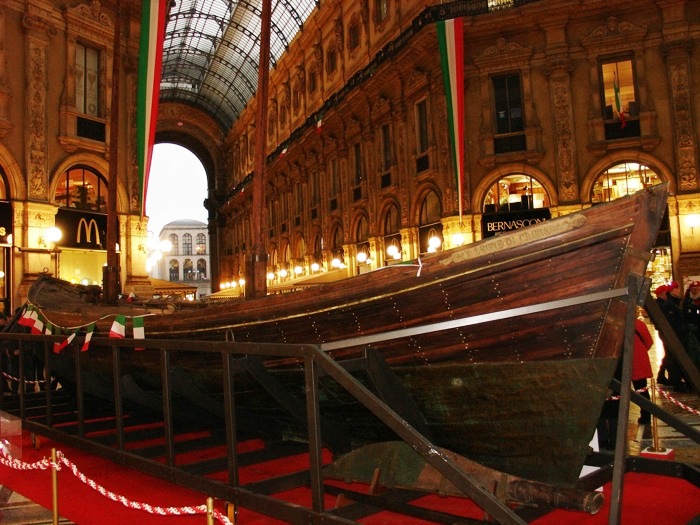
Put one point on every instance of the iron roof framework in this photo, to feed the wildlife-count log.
(211, 51)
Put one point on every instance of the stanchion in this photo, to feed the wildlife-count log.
(54, 486)
(210, 511)
(656, 451)
(231, 512)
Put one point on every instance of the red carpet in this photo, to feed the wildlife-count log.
(647, 499)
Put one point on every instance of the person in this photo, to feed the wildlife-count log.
(691, 318)
(673, 310)
(661, 294)
(641, 365)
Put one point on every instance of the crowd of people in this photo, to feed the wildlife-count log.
(683, 314)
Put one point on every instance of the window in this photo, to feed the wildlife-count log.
(331, 60)
(382, 10)
(508, 112)
(334, 177)
(187, 270)
(201, 243)
(623, 179)
(88, 62)
(357, 162)
(187, 244)
(430, 231)
(174, 242)
(87, 80)
(421, 127)
(354, 35)
(421, 116)
(174, 270)
(386, 147)
(514, 193)
(201, 269)
(312, 80)
(83, 189)
(619, 99)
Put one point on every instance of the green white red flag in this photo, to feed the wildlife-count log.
(26, 319)
(88, 337)
(118, 329)
(139, 331)
(618, 103)
(150, 64)
(451, 44)
(58, 347)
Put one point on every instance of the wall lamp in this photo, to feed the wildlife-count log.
(51, 236)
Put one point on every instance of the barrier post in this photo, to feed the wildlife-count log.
(210, 511)
(54, 486)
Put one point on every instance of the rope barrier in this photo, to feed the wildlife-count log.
(44, 464)
(28, 381)
(666, 395)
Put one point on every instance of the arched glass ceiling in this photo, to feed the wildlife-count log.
(212, 48)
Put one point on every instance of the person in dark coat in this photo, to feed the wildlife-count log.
(673, 310)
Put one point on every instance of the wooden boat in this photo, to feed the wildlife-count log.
(517, 385)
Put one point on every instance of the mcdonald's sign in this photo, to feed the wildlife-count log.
(88, 228)
(82, 229)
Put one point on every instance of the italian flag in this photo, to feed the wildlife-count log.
(88, 337)
(118, 329)
(58, 347)
(150, 62)
(26, 319)
(618, 104)
(139, 332)
(451, 43)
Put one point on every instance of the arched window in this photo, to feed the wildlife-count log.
(623, 179)
(187, 270)
(430, 231)
(201, 269)
(392, 235)
(187, 244)
(174, 270)
(201, 243)
(515, 193)
(174, 241)
(82, 188)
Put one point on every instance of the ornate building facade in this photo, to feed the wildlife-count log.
(566, 104)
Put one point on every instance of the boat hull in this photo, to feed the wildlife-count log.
(519, 389)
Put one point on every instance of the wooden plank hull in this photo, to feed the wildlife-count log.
(521, 394)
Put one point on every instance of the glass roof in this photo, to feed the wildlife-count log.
(211, 51)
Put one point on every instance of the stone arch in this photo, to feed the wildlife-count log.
(17, 188)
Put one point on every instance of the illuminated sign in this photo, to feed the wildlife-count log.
(496, 223)
(82, 229)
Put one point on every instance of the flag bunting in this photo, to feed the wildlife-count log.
(451, 44)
